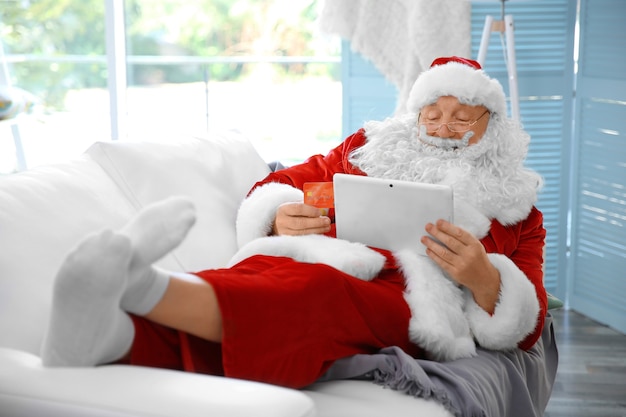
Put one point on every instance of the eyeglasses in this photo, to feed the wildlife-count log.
(455, 127)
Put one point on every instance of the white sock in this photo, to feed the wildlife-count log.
(87, 326)
(154, 232)
(106, 273)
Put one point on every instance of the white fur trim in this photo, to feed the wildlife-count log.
(515, 315)
(438, 323)
(470, 86)
(352, 258)
(256, 214)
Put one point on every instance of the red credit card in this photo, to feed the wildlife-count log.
(319, 194)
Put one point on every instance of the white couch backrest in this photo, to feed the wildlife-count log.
(46, 211)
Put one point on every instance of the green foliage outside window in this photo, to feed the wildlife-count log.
(64, 42)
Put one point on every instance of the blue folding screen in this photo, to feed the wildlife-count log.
(597, 265)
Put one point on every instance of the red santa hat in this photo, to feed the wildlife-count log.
(459, 77)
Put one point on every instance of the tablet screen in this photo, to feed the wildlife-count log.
(388, 214)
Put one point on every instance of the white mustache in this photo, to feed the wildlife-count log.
(444, 143)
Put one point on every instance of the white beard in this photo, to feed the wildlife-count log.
(488, 175)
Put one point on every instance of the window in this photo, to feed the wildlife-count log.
(55, 50)
(192, 67)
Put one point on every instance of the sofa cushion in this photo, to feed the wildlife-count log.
(215, 173)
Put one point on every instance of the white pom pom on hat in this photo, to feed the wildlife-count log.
(459, 77)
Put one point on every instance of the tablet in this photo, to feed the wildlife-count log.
(388, 214)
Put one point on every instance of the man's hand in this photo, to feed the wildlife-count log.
(300, 219)
(465, 260)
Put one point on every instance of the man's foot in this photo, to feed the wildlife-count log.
(154, 232)
(87, 326)
(159, 228)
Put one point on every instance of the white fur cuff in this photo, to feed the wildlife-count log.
(438, 323)
(256, 214)
(352, 258)
(515, 315)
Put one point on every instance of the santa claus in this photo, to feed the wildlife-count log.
(492, 189)
(295, 299)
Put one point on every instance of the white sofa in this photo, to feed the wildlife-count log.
(44, 212)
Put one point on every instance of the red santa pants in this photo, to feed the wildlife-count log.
(284, 323)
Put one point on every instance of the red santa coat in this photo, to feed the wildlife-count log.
(286, 322)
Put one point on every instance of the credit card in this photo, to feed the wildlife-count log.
(319, 194)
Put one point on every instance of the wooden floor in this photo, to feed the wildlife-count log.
(591, 378)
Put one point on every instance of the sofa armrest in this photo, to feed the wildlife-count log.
(27, 388)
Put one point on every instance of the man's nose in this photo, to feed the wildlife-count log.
(444, 131)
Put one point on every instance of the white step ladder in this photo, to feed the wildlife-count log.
(506, 26)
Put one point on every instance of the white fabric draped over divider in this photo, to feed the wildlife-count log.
(401, 37)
